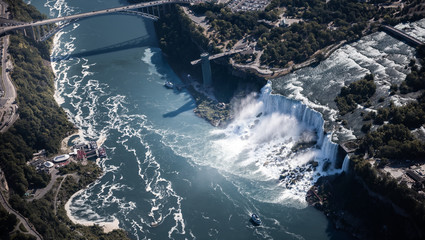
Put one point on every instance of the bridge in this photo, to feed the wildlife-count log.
(150, 10)
(219, 55)
(402, 35)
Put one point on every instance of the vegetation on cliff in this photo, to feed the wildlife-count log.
(42, 124)
(177, 33)
(350, 203)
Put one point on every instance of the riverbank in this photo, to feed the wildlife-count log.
(350, 207)
(178, 46)
(106, 226)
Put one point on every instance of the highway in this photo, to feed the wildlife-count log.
(91, 14)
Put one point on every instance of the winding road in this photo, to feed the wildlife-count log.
(22, 219)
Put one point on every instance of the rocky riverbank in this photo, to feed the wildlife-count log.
(350, 208)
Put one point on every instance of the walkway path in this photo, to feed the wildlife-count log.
(55, 204)
(400, 34)
(22, 219)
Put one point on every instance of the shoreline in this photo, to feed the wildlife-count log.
(106, 226)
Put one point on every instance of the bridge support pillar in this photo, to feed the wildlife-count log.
(38, 33)
(33, 33)
(206, 70)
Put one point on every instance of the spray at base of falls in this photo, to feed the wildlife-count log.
(306, 116)
(274, 136)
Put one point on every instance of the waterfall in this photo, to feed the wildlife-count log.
(307, 116)
(346, 164)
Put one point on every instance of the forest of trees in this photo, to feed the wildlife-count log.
(394, 140)
(357, 92)
(42, 124)
(322, 25)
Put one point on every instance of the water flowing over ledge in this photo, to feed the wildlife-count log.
(305, 115)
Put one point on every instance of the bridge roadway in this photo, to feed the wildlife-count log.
(219, 55)
(93, 13)
(415, 42)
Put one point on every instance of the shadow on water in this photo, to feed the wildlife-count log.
(186, 107)
(130, 44)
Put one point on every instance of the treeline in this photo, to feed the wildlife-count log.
(8, 223)
(341, 12)
(21, 11)
(357, 92)
(322, 24)
(400, 194)
(42, 124)
(394, 142)
(415, 80)
(58, 226)
(175, 32)
(347, 203)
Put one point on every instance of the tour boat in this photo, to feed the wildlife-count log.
(255, 219)
(169, 84)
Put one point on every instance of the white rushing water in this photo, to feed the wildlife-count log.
(156, 145)
(259, 145)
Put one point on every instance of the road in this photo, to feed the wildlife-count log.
(415, 42)
(10, 107)
(22, 219)
(55, 201)
(90, 14)
(219, 55)
(42, 191)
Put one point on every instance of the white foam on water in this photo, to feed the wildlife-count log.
(108, 225)
(251, 152)
(415, 29)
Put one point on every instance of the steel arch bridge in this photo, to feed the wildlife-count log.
(43, 29)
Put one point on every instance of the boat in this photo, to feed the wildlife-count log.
(169, 84)
(255, 219)
(102, 152)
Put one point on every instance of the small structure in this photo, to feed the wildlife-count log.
(61, 158)
(48, 164)
(206, 70)
(40, 153)
(89, 150)
(413, 175)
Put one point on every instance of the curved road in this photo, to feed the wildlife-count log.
(22, 219)
(9, 89)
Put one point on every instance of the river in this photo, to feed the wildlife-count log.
(167, 166)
